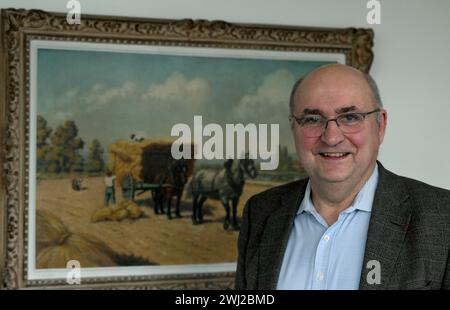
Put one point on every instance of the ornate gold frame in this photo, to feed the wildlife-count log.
(18, 27)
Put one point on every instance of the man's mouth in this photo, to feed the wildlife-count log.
(334, 155)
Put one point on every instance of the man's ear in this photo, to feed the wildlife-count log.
(382, 123)
(291, 122)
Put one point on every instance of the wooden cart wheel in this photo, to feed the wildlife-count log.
(128, 188)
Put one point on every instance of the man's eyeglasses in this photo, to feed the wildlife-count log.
(313, 125)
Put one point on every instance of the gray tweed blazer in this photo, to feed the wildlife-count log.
(409, 234)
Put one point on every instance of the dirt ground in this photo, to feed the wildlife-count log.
(153, 238)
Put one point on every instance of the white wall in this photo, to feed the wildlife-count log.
(411, 64)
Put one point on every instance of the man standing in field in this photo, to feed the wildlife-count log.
(110, 194)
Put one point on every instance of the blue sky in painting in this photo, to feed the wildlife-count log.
(110, 95)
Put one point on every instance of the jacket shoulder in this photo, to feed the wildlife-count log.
(270, 199)
(419, 187)
(429, 204)
(427, 198)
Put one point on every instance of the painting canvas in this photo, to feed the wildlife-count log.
(98, 111)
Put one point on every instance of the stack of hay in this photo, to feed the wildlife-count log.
(125, 209)
(56, 245)
(143, 160)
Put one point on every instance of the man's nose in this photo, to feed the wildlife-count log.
(332, 134)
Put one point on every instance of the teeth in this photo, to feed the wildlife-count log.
(334, 154)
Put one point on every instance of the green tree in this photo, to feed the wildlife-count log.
(42, 145)
(95, 157)
(78, 166)
(64, 153)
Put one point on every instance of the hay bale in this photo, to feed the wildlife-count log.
(119, 214)
(142, 160)
(89, 251)
(56, 245)
(134, 212)
(50, 230)
(124, 209)
(103, 214)
(125, 203)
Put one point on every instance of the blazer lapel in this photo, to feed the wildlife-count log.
(276, 235)
(388, 225)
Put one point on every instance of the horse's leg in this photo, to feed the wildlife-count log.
(169, 203)
(177, 210)
(162, 199)
(194, 209)
(155, 195)
(235, 220)
(226, 222)
(200, 208)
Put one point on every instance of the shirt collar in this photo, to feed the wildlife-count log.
(363, 201)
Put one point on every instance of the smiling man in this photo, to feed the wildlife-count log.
(352, 224)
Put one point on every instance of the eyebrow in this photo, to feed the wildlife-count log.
(312, 111)
(346, 109)
(338, 111)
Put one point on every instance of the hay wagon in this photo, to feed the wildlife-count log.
(132, 188)
(140, 166)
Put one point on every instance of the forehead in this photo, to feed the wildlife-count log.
(333, 91)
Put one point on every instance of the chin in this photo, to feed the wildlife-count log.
(334, 177)
(333, 180)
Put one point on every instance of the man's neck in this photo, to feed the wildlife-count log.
(330, 199)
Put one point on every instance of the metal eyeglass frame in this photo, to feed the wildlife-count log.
(363, 114)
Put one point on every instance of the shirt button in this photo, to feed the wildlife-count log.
(320, 276)
(326, 238)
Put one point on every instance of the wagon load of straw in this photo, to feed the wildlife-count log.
(123, 210)
(145, 160)
(56, 245)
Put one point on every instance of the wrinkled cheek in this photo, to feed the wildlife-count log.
(357, 140)
(304, 147)
(304, 142)
(366, 149)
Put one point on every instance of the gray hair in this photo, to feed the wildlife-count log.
(370, 81)
(374, 88)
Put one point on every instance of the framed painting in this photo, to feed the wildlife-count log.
(92, 193)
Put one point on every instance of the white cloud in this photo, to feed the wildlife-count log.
(100, 96)
(179, 91)
(274, 90)
(61, 116)
(176, 92)
(60, 106)
(270, 99)
(72, 93)
(97, 86)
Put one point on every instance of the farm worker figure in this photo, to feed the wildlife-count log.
(110, 193)
(76, 184)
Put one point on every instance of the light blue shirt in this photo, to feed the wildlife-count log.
(322, 257)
